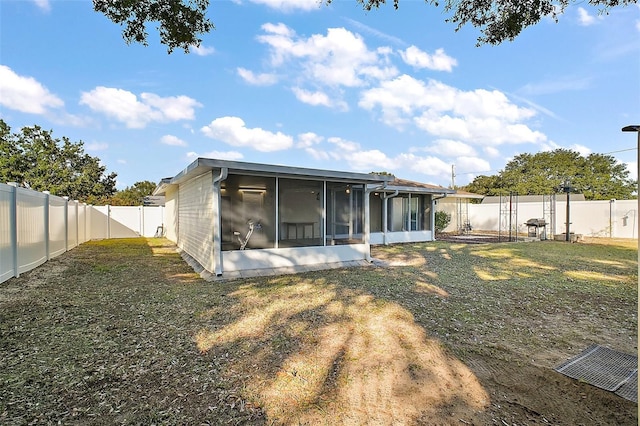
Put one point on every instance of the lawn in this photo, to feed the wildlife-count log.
(124, 332)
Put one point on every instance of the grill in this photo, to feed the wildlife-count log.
(537, 228)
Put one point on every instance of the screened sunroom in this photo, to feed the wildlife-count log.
(234, 216)
(404, 211)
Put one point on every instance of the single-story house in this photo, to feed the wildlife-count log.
(233, 216)
(407, 208)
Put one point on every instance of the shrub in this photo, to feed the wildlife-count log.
(442, 220)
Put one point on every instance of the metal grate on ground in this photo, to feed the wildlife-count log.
(605, 368)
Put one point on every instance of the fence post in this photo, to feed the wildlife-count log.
(47, 214)
(66, 223)
(13, 225)
(108, 222)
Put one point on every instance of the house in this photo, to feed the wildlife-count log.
(407, 208)
(233, 216)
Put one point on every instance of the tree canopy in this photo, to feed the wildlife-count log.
(133, 195)
(597, 176)
(181, 23)
(34, 159)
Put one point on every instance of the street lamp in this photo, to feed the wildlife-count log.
(634, 128)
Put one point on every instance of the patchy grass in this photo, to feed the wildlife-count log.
(123, 332)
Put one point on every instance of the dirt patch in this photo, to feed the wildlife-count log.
(124, 332)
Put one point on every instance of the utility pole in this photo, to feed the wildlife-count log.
(453, 176)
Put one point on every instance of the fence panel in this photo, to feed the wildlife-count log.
(31, 229)
(57, 226)
(36, 226)
(124, 222)
(7, 233)
(72, 224)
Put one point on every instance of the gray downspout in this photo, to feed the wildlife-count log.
(217, 222)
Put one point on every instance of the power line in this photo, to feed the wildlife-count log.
(622, 150)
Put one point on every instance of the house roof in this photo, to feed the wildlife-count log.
(466, 194)
(403, 185)
(203, 165)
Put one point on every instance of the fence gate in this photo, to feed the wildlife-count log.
(508, 224)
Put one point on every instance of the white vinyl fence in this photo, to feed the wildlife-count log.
(36, 226)
(608, 218)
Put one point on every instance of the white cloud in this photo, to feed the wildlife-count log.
(232, 131)
(125, 106)
(306, 140)
(491, 151)
(25, 94)
(339, 58)
(202, 50)
(96, 146)
(370, 30)
(571, 83)
(318, 98)
(632, 166)
(450, 148)
(584, 18)
(479, 117)
(289, 5)
(581, 149)
(172, 140)
(263, 79)
(44, 5)
(218, 155)
(439, 61)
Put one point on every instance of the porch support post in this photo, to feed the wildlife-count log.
(367, 227)
(217, 221)
(433, 218)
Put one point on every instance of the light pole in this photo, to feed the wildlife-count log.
(566, 187)
(636, 128)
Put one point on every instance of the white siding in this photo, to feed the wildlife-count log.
(195, 220)
(171, 214)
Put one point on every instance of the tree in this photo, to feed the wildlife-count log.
(134, 195)
(597, 176)
(34, 159)
(182, 22)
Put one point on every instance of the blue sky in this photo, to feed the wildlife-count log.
(296, 83)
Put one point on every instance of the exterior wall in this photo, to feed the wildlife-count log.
(170, 221)
(196, 220)
(401, 237)
(239, 260)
